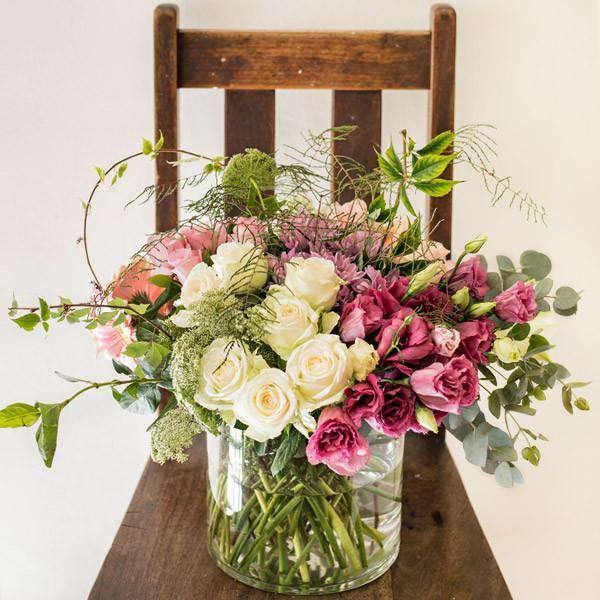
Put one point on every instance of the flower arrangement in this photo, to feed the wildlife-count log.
(307, 337)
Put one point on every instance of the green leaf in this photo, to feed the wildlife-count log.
(431, 166)
(426, 418)
(286, 450)
(28, 321)
(475, 446)
(162, 281)
(438, 144)
(503, 475)
(543, 288)
(406, 202)
(519, 331)
(504, 453)
(393, 159)
(139, 398)
(12, 311)
(159, 144)
(582, 404)
(101, 173)
(495, 283)
(566, 299)
(494, 405)
(47, 432)
(146, 146)
(44, 310)
(70, 378)
(388, 169)
(531, 454)
(436, 188)
(121, 368)
(18, 415)
(567, 398)
(505, 264)
(136, 349)
(535, 264)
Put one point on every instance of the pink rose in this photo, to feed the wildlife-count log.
(516, 304)
(447, 387)
(476, 338)
(337, 443)
(248, 229)
(446, 340)
(360, 317)
(405, 337)
(472, 274)
(363, 400)
(397, 412)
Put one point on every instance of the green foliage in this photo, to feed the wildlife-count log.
(425, 417)
(47, 432)
(172, 435)
(289, 444)
(19, 415)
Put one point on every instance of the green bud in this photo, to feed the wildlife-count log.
(475, 244)
(461, 298)
(480, 308)
(423, 278)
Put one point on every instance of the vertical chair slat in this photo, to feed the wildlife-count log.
(362, 109)
(249, 121)
(441, 108)
(166, 114)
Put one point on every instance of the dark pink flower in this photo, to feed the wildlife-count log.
(447, 387)
(397, 412)
(363, 400)
(406, 337)
(431, 301)
(360, 318)
(516, 304)
(476, 338)
(472, 274)
(337, 443)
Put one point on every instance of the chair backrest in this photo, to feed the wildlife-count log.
(251, 65)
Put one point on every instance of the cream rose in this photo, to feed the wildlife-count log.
(364, 358)
(320, 369)
(201, 279)
(241, 266)
(225, 368)
(314, 280)
(290, 321)
(267, 404)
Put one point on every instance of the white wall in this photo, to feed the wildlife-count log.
(76, 90)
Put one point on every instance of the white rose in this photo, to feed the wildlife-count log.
(201, 279)
(267, 404)
(225, 368)
(320, 369)
(314, 280)
(364, 358)
(290, 321)
(241, 266)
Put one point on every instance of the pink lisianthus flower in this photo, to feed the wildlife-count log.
(431, 300)
(516, 304)
(363, 400)
(111, 341)
(249, 229)
(397, 412)
(360, 318)
(447, 387)
(446, 340)
(476, 338)
(472, 274)
(337, 443)
(405, 337)
(178, 253)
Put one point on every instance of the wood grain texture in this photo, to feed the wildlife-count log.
(249, 121)
(441, 109)
(341, 60)
(363, 109)
(160, 550)
(166, 113)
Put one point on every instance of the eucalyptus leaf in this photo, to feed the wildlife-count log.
(503, 475)
(543, 288)
(505, 264)
(475, 446)
(535, 264)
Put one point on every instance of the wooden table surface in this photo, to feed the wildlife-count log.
(159, 552)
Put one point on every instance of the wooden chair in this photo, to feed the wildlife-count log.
(160, 551)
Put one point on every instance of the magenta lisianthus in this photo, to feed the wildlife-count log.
(472, 274)
(337, 443)
(431, 300)
(405, 337)
(476, 338)
(447, 387)
(360, 318)
(397, 412)
(516, 304)
(363, 400)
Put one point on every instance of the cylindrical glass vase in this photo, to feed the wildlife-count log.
(305, 530)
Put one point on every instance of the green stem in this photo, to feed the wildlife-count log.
(343, 535)
(382, 493)
(301, 553)
(300, 562)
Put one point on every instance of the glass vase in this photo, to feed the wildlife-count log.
(305, 530)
